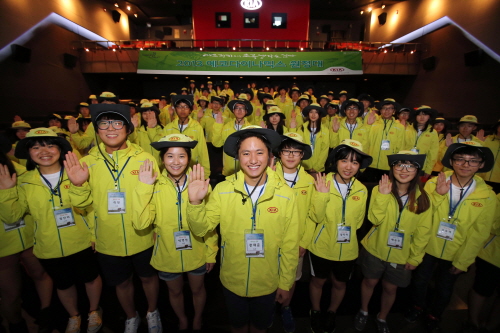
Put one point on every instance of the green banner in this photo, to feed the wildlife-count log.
(250, 63)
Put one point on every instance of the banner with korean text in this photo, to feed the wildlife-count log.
(249, 63)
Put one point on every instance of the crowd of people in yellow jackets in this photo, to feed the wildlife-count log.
(256, 181)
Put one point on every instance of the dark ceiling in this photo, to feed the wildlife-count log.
(178, 12)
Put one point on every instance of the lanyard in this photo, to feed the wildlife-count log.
(180, 127)
(254, 206)
(385, 124)
(294, 181)
(344, 200)
(179, 200)
(119, 173)
(349, 126)
(396, 228)
(462, 195)
(313, 138)
(56, 190)
(418, 137)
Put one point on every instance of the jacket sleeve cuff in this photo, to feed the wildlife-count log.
(8, 194)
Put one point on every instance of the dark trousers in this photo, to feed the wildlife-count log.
(444, 283)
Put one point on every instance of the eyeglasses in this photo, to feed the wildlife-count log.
(388, 108)
(182, 107)
(295, 153)
(408, 167)
(104, 124)
(353, 108)
(462, 161)
(241, 109)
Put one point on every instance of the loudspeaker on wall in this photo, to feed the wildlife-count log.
(69, 60)
(382, 18)
(20, 53)
(474, 58)
(116, 16)
(429, 64)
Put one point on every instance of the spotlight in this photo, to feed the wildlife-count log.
(385, 51)
(234, 49)
(268, 77)
(302, 49)
(156, 78)
(267, 49)
(361, 12)
(187, 77)
(383, 6)
(338, 79)
(122, 78)
(135, 15)
(411, 52)
(208, 77)
(366, 79)
(148, 25)
(114, 50)
(140, 49)
(87, 50)
(105, 9)
(128, 8)
(241, 77)
(201, 49)
(369, 9)
(116, 4)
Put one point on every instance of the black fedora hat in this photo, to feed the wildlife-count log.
(232, 141)
(488, 158)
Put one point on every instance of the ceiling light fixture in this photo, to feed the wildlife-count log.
(383, 6)
(361, 12)
(128, 8)
(369, 9)
(116, 4)
(135, 15)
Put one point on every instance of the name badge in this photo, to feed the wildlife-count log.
(254, 243)
(395, 240)
(183, 240)
(386, 145)
(116, 202)
(415, 150)
(14, 226)
(343, 234)
(64, 218)
(446, 231)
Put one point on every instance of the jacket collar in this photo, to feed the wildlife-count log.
(131, 150)
(302, 181)
(273, 182)
(165, 180)
(480, 192)
(33, 177)
(356, 186)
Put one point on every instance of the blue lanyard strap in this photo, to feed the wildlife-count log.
(57, 189)
(313, 138)
(179, 201)
(344, 200)
(119, 173)
(396, 228)
(294, 181)
(387, 132)
(254, 206)
(462, 195)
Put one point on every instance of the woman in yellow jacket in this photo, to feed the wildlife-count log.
(441, 126)
(486, 282)
(337, 211)
(400, 211)
(274, 119)
(176, 250)
(315, 135)
(17, 249)
(151, 129)
(259, 223)
(422, 138)
(492, 141)
(63, 233)
(241, 109)
(351, 125)
(20, 129)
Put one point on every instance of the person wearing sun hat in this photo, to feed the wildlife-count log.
(92, 100)
(202, 108)
(337, 211)
(401, 214)
(316, 135)
(282, 100)
(369, 106)
(351, 125)
(342, 96)
(19, 129)
(406, 117)
(184, 124)
(441, 126)
(492, 141)
(82, 110)
(290, 154)
(167, 112)
(259, 222)
(108, 97)
(105, 180)
(178, 251)
(150, 130)
(332, 111)
(463, 214)
(64, 234)
(323, 100)
(296, 112)
(241, 109)
(274, 119)
(386, 137)
(193, 90)
(211, 90)
(227, 90)
(330, 95)
(422, 138)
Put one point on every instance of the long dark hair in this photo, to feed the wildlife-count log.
(279, 127)
(30, 164)
(345, 153)
(429, 122)
(5, 160)
(318, 124)
(415, 205)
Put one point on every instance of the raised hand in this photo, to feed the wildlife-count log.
(146, 173)
(73, 126)
(218, 118)
(385, 185)
(480, 135)
(321, 184)
(77, 174)
(199, 115)
(442, 186)
(17, 118)
(135, 120)
(449, 140)
(372, 116)
(335, 124)
(257, 112)
(263, 124)
(6, 180)
(198, 186)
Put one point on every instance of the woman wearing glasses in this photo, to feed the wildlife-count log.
(400, 211)
(337, 212)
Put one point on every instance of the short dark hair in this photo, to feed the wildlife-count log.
(113, 116)
(163, 151)
(261, 137)
(468, 150)
(345, 153)
(30, 164)
(289, 143)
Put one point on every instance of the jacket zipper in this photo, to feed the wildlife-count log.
(121, 215)
(319, 233)
(279, 260)
(157, 242)
(21, 238)
(223, 247)
(375, 229)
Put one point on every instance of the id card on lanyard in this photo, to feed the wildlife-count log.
(182, 240)
(386, 144)
(343, 231)
(448, 226)
(254, 238)
(64, 218)
(116, 197)
(396, 238)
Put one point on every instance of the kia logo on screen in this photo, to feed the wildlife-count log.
(251, 4)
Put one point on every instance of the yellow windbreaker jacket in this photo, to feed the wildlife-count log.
(384, 214)
(427, 143)
(475, 216)
(320, 147)
(275, 214)
(360, 133)
(491, 249)
(385, 130)
(146, 135)
(219, 136)
(494, 144)
(114, 233)
(159, 205)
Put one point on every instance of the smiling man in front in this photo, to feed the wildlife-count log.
(259, 227)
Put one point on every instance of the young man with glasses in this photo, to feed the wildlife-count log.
(386, 137)
(184, 124)
(463, 213)
(104, 181)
